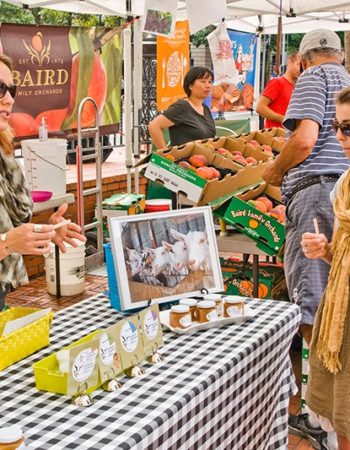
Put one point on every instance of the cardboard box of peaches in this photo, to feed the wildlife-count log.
(203, 171)
(268, 140)
(238, 279)
(257, 212)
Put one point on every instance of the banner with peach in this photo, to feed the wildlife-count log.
(55, 68)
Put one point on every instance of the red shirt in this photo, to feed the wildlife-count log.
(279, 90)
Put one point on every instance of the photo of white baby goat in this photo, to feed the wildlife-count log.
(165, 255)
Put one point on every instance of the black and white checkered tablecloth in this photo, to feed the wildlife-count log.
(225, 388)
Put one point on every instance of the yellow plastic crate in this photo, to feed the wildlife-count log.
(25, 341)
(48, 376)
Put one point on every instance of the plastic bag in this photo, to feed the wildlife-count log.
(220, 47)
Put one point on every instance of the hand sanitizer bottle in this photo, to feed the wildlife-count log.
(43, 130)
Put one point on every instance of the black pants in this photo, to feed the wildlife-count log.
(3, 293)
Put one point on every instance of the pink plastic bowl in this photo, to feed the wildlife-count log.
(41, 196)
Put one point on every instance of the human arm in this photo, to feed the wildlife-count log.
(26, 241)
(263, 109)
(66, 233)
(155, 129)
(295, 150)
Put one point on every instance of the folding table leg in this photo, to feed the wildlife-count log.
(255, 276)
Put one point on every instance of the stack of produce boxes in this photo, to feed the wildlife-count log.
(238, 279)
(200, 173)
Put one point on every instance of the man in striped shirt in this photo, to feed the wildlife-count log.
(308, 166)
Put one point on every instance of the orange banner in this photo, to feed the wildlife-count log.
(173, 62)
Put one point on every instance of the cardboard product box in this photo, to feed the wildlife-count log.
(238, 279)
(162, 167)
(124, 204)
(232, 144)
(276, 131)
(121, 204)
(266, 137)
(267, 231)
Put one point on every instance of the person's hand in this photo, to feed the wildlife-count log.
(271, 175)
(314, 245)
(67, 233)
(30, 239)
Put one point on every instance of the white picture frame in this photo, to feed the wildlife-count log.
(165, 256)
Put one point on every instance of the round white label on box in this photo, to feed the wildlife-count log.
(83, 364)
(107, 349)
(151, 325)
(129, 336)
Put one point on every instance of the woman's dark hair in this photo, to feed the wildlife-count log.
(196, 73)
(343, 96)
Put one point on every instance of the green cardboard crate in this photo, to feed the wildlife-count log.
(162, 168)
(234, 209)
(238, 279)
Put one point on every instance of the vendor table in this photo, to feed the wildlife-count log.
(223, 388)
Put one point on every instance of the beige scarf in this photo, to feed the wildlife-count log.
(336, 296)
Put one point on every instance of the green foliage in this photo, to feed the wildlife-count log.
(13, 14)
(41, 16)
(200, 38)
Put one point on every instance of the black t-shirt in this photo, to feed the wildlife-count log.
(189, 124)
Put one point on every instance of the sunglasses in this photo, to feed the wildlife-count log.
(343, 127)
(4, 88)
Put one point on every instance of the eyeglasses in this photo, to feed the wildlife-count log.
(4, 88)
(343, 127)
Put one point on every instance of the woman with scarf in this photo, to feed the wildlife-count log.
(328, 394)
(17, 235)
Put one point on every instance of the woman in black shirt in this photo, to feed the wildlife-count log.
(188, 119)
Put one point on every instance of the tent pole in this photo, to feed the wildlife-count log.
(128, 106)
(257, 76)
(137, 79)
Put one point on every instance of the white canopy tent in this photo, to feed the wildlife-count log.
(298, 16)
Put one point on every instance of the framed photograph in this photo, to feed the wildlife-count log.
(159, 17)
(165, 256)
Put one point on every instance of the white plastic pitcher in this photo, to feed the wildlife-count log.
(72, 270)
(45, 164)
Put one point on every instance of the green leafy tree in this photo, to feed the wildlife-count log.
(200, 38)
(41, 16)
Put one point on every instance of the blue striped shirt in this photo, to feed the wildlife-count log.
(314, 99)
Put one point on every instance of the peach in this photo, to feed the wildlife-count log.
(240, 160)
(204, 172)
(279, 138)
(254, 143)
(215, 172)
(281, 208)
(259, 205)
(170, 157)
(267, 202)
(23, 124)
(278, 215)
(184, 164)
(236, 152)
(198, 160)
(267, 148)
(251, 160)
(223, 151)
